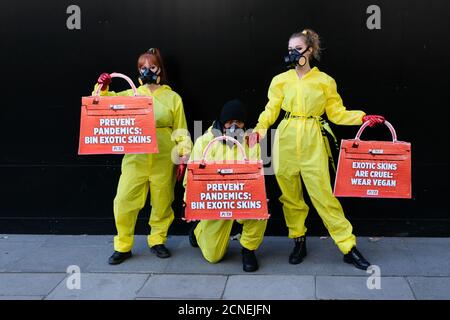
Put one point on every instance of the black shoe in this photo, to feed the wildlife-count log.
(299, 251)
(119, 257)
(357, 259)
(161, 251)
(192, 237)
(249, 262)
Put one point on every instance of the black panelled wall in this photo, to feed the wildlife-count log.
(214, 50)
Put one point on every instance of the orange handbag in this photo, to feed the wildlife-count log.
(117, 124)
(374, 169)
(218, 190)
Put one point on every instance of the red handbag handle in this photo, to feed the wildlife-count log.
(365, 124)
(119, 75)
(213, 141)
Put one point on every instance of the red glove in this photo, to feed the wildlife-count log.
(373, 120)
(104, 80)
(253, 139)
(181, 169)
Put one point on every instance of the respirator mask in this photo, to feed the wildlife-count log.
(295, 58)
(149, 77)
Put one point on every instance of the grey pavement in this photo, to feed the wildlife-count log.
(35, 267)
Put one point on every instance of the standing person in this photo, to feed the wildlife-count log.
(154, 173)
(213, 236)
(299, 152)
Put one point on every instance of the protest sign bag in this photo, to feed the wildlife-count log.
(374, 169)
(218, 190)
(117, 124)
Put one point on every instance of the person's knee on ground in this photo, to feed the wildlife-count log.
(213, 258)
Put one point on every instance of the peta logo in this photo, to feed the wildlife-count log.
(118, 148)
(226, 214)
(372, 192)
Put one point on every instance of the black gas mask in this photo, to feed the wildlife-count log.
(149, 77)
(295, 58)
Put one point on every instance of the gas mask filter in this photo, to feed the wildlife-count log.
(295, 58)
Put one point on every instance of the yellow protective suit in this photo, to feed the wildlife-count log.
(213, 236)
(142, 173)
(299, 151)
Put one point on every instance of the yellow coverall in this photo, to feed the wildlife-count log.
(154, 172)
(213, 236)
(299, 151)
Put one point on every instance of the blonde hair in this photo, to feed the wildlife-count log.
(311, 39)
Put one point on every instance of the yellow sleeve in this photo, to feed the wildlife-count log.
(336, 112)
(180, 132)
(273, 107)
(106, 92)
(197, 153)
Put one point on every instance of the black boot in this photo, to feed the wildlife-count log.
(192, 238)
(299, 251)
(357, 259)
(249, 262)
(161, 251)
(119, 257)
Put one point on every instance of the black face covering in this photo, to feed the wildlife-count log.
(295, 58)
(148, 77)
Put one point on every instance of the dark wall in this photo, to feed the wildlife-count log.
(214, 50)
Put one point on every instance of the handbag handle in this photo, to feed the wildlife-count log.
(119, 75)
(365, 124)
(215, 140)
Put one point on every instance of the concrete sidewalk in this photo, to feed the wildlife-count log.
(35, 267)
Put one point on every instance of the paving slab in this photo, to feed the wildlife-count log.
(142, 261)
(430, 288)
(342, 287)
(230, 264)
(184, 286)
(11, 252)
(21, 297)
(34, 238)
(54, 259)
(29, 284)
(389, 254)
(430, 256)
(265, 287)
(101, 286)
(323, 258)
(78, 241)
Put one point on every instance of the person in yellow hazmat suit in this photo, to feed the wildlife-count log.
(299, 151)
(213, 236)
(154, 173)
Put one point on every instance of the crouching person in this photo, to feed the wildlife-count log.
(213, 236)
